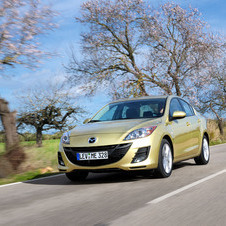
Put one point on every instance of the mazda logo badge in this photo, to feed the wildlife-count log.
(92, 140)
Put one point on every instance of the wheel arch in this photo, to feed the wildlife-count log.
(167, 137)
(207, 136)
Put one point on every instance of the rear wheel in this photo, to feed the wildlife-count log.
(165, 163)
(204, 156)
(77, 175)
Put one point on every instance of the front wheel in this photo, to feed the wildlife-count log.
(165, 163)
(77, 175)
(204, 156)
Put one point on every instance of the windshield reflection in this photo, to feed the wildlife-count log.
(134, 109)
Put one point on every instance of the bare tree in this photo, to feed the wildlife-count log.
(140, 49)
(212, 99)
(48, 108)
(21, 23)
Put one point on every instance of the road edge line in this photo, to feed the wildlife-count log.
(20, 182)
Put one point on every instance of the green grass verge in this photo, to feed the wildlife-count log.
(2, 145)
(36, 160)
(42, 157)
(216, 142)
(25, 176)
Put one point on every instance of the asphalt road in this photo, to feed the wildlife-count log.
(193, 195)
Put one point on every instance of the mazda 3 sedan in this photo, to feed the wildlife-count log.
(135, 134)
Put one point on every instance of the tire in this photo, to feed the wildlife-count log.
(165, 163)
(204, 156)
(77, 175)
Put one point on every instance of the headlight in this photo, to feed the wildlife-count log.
(140, 133)
(65, 139)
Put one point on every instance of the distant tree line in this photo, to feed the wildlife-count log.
(32, 136)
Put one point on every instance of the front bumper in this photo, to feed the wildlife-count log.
(117, 160)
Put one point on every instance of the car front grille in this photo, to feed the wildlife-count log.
(115, 153)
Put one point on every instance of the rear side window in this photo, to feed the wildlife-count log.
(187, 108)
(174, 106)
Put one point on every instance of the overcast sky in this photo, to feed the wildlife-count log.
(68, 33)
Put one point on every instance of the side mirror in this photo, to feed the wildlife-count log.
(87, 120)
(179, 114)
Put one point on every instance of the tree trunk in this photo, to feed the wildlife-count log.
(221, 126)
(14, 152)
(219, 120)
(39, 136)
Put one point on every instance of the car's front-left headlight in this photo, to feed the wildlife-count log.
(140, 133)
(65, 139)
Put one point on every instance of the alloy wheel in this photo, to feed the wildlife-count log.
(167, 158)
(206, 151)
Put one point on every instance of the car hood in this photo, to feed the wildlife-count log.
(113, 127)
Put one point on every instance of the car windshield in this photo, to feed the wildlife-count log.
(134, 109)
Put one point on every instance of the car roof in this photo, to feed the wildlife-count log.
(143, 98)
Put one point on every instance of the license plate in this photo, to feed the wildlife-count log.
(92, 155)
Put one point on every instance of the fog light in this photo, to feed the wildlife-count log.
(60, 159)
(141, 155)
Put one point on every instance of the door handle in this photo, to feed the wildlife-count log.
(188, 124)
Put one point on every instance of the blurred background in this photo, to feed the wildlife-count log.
(60, 61)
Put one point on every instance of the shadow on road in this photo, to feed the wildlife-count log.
(103, 178)
(95, 178)
(179, 165)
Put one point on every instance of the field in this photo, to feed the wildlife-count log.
(39, 162)
(39, 157)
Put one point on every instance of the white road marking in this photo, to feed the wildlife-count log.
(157, 200)
(6, 185)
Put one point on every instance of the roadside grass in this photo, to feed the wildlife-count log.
(30, 175)
(40, 162)
(214, 132)
(41, 157)
(216, 142)
(2, 148)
